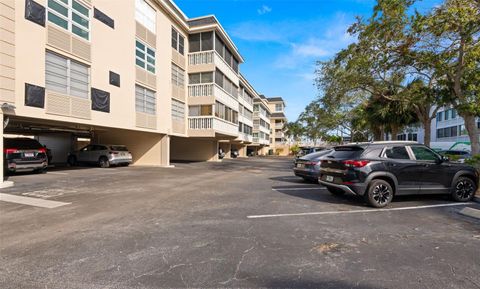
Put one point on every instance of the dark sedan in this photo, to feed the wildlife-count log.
(308, 167)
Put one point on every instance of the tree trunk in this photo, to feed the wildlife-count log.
(377, 134)
(426, 122)
(394, 132)
(472, 130)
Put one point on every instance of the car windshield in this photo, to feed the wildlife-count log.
(23, 144)
(119, 148)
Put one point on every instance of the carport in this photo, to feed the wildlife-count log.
(150, 149)
(194, 149)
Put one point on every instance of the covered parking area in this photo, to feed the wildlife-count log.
(61, 138)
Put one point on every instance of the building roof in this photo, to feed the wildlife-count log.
(273, 99)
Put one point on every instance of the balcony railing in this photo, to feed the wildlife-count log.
(211, 56)
(210, 122)
(203, 57)
(196, 90)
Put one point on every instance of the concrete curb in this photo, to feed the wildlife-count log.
(470, 212)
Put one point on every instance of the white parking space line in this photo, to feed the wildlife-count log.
(36, 202)
(358, 211)
(299, 189)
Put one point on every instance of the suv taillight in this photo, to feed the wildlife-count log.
(11, 151)
(356, 163)
(311, 163)
(42, 150)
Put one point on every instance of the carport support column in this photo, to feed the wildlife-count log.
(3, 183)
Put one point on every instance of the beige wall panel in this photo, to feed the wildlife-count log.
(201, 100)
(7, 95)
(140, 31)
(7, 83)
(187, 149)
(178, 127)
(179, 59)
(7, 48)
(201, 68)
(80, 107)
(178, 93)
(59, 38)
(7, 60)
(81, 48)
(7, 24)
(151, 39)
(7, 9)
(201, 133)
(152, 80)
(57, 104)
(6, 35)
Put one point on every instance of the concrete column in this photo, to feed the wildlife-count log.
(3, 183)
(228, 150)
(165, 151)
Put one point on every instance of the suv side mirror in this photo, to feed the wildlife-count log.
(445, 159)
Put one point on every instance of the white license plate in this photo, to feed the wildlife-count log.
(29, 155)
(329, 178)
(300, 165)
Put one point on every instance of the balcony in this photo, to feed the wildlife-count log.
(212, 57)
(279, 125)
(209, 126)
(245, 138)
(260, 141)
(279, 135)
(212, 89)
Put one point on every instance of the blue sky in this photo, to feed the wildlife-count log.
(281, 40)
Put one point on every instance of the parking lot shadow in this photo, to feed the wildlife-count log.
(321, 194)
(291, 179)
(324, 284)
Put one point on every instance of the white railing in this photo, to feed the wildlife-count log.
(200, 123)
(279, 125)
(203, 57)
(210, 122)
(279, 135)
(196, 90)
(246, 137)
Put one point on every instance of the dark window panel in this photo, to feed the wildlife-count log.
(114, 79)
(34, 95)
(35, 12)
(207, 41)
(102, 17)
(194, 42)
(100, 100)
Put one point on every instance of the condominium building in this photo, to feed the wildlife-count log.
(447, 128)
(278, 122)
(261, 126)
(141, 74)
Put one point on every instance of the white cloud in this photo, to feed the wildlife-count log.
(264, 10)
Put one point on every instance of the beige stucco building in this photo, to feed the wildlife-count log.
(141, 74)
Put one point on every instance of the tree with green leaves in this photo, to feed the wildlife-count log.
(448, 42)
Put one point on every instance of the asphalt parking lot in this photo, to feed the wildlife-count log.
(246, 223)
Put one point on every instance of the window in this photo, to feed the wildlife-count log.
(145, 14)
(178, 110)
(225, 83)
(424, 154)
(226, 113)
(66, 76)
(178, 41)
(399, 153)
(201, 42)
(145, 100)
(203, 77)
(178, 76)
(454, 113)
(247, 129)
(200, 110)
(71, 16)
(145, 56)
(225, 53)
(278, 107)
(440, 116)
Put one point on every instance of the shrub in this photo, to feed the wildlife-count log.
(295, 149)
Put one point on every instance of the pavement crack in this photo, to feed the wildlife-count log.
(235, 274)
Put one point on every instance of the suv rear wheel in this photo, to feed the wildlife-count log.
(335, 191)
(72, 161)
(464, 189)
(379, 194)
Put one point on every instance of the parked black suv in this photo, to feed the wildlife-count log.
(24, 154)
(380, 170)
